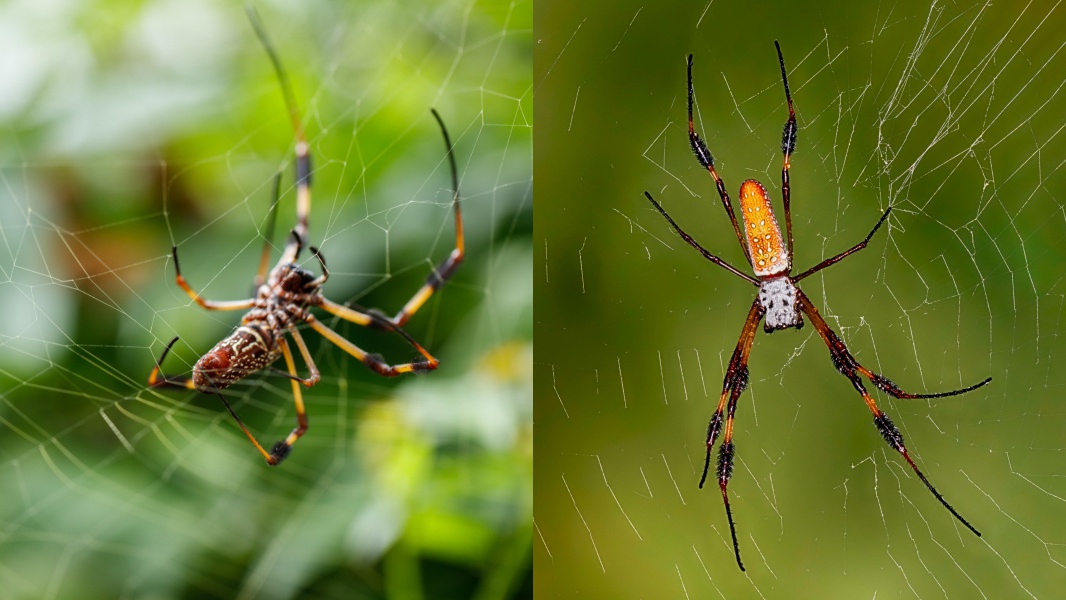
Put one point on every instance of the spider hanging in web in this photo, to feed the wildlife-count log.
(284, 297)
(782, 304)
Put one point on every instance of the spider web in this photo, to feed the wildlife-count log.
(951, 113)
(127, 129)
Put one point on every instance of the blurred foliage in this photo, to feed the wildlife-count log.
(129, 127)
(950, 112)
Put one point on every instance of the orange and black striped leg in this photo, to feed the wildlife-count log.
(447, 268)
(306, 355)
(375, 362)
(158, 379)
(788, 145)
(208, 304)
(270, 458)
(282, 448)
(704, 156)
(377, 319)
(303, 154)
(850, 368)
(303, 201)
(736, 380)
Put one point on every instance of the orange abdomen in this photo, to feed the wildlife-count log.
(768, 253)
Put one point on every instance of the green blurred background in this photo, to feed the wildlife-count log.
(126, 127)
(950, 112)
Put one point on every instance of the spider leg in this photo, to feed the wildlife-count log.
(264, 258)
(375, 362)
(282, 448)
(703, 251)
(303, 197)
(306, 355)
(208, 304)
(270, 458)
(885, 384)
(303, 155)
(703, 154)
(158, 379)
(850, 368)
(324, 277)
(788, 146)
(839, 257)
(373, 318)
(736, 379)
(445, 270)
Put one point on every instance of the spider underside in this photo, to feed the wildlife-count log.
(782, 304)
(285, 296)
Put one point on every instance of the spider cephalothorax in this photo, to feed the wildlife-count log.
(782, 303)
(284, 299)
(293, 279)
(779, 301)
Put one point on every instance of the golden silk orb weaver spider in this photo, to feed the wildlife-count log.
(285, 295)
(782, 304)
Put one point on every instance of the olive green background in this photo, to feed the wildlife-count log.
(953, 114)
(126, 127)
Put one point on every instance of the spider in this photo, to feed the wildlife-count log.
(285, 295)
(781, 302)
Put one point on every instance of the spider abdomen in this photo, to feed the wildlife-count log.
(767, 250)
(245, 351)
(777, 296)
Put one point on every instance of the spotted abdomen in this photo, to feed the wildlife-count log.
(246, 351)
(769, 256)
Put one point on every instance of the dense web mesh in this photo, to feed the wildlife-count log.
(951, 113)
(128, 129)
